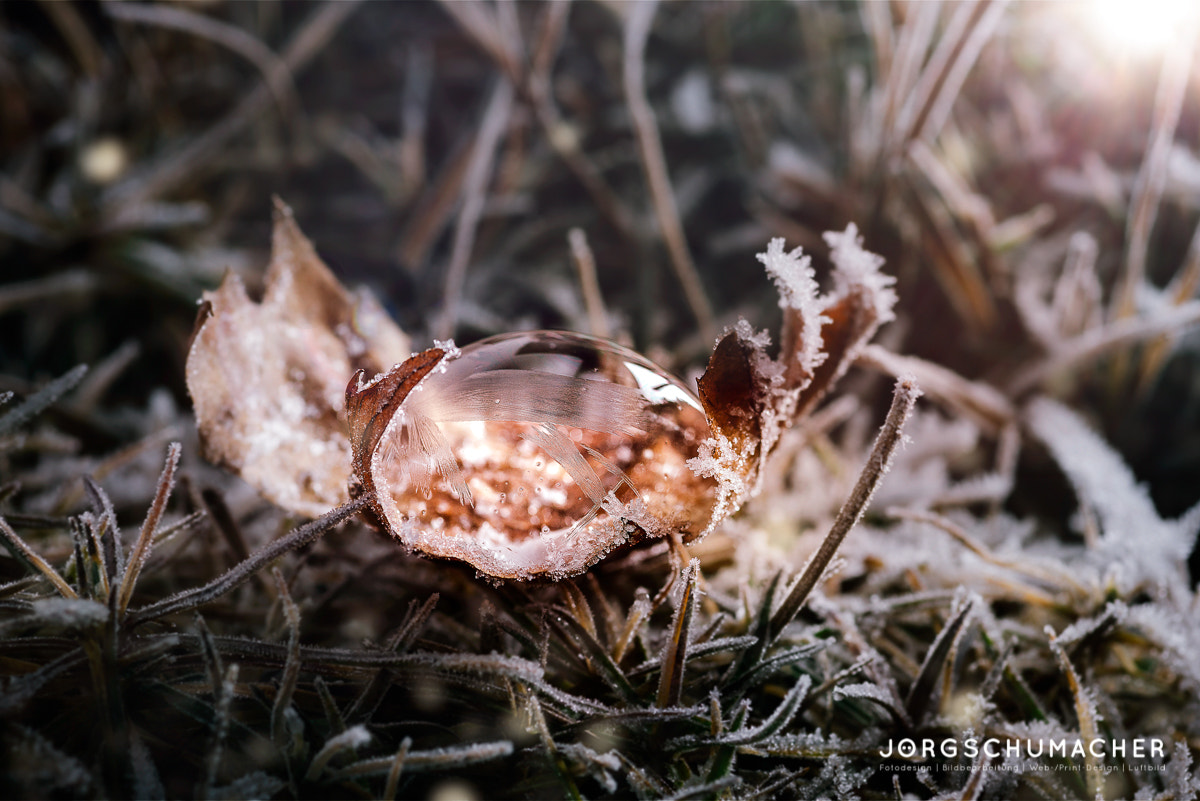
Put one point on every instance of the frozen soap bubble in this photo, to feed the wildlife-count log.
(530, 454)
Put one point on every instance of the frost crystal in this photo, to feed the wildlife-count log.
(793, 275)
(859, 267)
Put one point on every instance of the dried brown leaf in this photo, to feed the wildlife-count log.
(268, 379)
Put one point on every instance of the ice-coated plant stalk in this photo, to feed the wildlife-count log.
(393, 777)
(141, 549)
(291, 670)
(240, 573)
(674, 656)
(904, 397)
(32, 561)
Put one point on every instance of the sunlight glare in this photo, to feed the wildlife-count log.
(1141, 27)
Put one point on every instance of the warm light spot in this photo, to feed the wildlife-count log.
(103, 161)
(1141, 27)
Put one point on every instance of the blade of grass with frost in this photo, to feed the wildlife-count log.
(538, 719)
(141, 549)
(869, 691)
(432, 759)
(921, 693)
(752, 657)
(1085, 712)
(1105, 483)
(106, 516)
(349, 740)
(723, 757)
(775, 722)
(675, 650)
(766, 667)
(393, 776)
(90, 561)
(639, 613)
(34, 563)
(597, 656)
(28, 408)
(291, 669)
(722, 645)
(65, 615)
(577, 605)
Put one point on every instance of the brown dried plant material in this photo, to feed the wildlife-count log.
(751, 398)
(527, 455)
(268, 379)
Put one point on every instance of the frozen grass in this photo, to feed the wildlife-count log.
(1020, 573)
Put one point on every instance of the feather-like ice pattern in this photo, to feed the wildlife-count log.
(563, 450)
(534, 396)
(613, 470)
(436, 447)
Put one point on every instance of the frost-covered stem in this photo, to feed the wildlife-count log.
(637, 31)
(393, 777)
(1085, 711)
(904, 398)
(291, 669)
(1098, 341)
(141, 549)
(433, 759)
(674, 655)
(240, 573)
(348, 740)
(585, 265)
(28, 408)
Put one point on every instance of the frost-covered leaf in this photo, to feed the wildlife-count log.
(750, 398)
(22, 412)
(268, 379)
(803, 311)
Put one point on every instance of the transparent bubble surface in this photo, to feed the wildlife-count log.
(536, 453)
